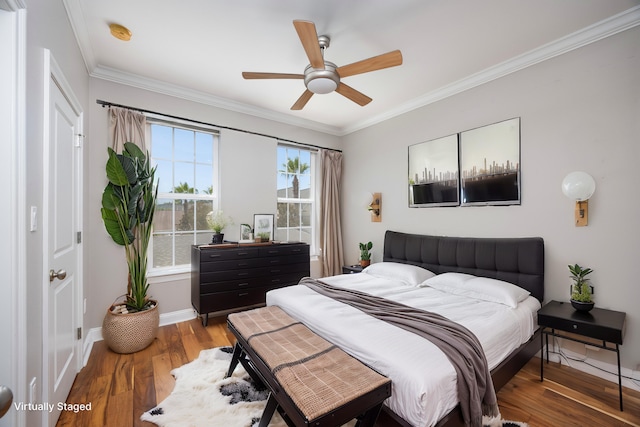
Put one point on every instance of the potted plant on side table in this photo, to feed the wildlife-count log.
(581, 291)
(128, 207)
(365, 254)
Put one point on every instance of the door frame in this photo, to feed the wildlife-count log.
(15, 194)
(53, 75)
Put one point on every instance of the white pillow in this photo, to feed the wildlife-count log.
(498, 291)
(412, 275)
(482, 288)
(447, 281)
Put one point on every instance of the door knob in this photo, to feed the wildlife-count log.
(60, 274)
(6, 397)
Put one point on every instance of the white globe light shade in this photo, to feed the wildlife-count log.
(578, 186)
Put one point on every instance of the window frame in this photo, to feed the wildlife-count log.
(158, 272)
(313, 195)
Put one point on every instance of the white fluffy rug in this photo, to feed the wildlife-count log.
(198, 400)
(202, 397)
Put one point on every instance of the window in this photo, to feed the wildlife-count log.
(186, 160)
(296, 195)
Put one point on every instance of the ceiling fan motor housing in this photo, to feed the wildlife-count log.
(322, 80)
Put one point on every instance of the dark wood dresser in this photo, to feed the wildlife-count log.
(231, 277)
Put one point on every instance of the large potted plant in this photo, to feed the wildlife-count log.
(128, 206)
(581, 290)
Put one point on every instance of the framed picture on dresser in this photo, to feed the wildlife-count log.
(263, 226)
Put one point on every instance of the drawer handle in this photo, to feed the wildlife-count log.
(244, 294)
(575, 326)
(296, 250)
(275, 280)
(273, 252)
(214, 256)
(243, 284)
(275, 261)
(242, 253)
(243, 264)
(275, 271)
(244, 273)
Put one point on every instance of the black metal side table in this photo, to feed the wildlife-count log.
(600, 324)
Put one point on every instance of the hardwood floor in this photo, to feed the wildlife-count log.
(121, 387)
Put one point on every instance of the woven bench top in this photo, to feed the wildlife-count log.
(318, 376)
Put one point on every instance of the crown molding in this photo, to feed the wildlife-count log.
(77, 22)
(613, 25)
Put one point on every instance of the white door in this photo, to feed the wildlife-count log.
(62, 227)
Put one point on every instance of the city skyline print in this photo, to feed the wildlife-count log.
(490, 164)
(433, 173)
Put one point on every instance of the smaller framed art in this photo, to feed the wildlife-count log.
(433, 173)
(263, 226)
(490, 164)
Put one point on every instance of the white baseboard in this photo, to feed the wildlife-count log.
(604, 370)
(95, 334)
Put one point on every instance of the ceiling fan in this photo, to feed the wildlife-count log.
(322, 76)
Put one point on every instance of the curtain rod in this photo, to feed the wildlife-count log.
(111, 104)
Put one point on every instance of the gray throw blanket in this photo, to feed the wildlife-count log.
(475, 388)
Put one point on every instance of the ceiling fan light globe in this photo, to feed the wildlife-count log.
(322, 85)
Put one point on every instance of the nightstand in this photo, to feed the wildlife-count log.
(607, 326)
(350, 269)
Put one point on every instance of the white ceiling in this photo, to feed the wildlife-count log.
(197, 49)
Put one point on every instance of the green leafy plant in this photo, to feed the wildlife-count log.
(580, 290)
(128, 207)
(264, 236)
(365, 248)
(217, 220)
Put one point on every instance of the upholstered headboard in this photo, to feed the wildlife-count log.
(516, 260)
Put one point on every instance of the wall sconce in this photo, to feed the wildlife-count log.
(375, 206)
(579, 186)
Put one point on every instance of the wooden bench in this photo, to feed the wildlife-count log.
(311, 381)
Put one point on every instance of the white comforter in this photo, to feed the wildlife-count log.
(423, 380)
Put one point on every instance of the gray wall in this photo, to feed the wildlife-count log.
(579, 111)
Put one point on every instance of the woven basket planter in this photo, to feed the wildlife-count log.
(131, 332)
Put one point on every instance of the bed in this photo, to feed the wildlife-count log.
(462, 279)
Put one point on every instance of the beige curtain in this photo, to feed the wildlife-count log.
(330, 223)
(127, 126)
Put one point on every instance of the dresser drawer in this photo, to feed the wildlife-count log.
(284, 260)
(207, 255)
(233, 264)
(277, 250)
(248, 273)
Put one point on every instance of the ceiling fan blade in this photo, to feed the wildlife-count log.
(386, 60)
(309, 38)
(349, 92)
(302, 101)
(251, 75)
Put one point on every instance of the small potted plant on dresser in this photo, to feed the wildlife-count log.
(581, 291)
(217, 221)
(365, 254)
